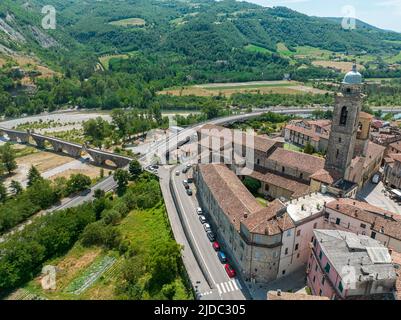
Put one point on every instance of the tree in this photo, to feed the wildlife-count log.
(135, 169)
(309, 149)
(3, 192)
(97, 130)
(252, 185)
(78, 182)
(122, 177)
(99, 193)
(8, 158)
(16, 187)
(33, 176)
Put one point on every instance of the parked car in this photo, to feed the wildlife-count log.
(376, 178)
(186, 186)
(230, 271)
(207, 227)
(189, 166)
(222, 257)
(190, 180)
(199, 211)
(211, 236)
(216, 246)
(189, 192)
(185, 170)
(177, 173)
(202, 219)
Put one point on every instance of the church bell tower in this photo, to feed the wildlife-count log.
(344, 130)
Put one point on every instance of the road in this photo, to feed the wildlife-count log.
(220, 285)
(106, 185)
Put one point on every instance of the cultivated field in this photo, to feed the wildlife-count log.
(337, 65)
(257, 87)
(129, 22)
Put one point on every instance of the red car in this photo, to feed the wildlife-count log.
(216, 246)
(230, 271)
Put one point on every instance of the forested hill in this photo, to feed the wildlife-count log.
(187, 27)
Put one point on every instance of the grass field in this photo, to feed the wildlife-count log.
(137, 22)
(393, 59)
(94, 273)
(105, 60)
(253, 48)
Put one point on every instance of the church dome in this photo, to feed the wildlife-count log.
(353, 77)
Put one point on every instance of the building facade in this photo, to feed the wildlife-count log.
(345, 266)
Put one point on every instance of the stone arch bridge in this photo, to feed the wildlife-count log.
(72, 149)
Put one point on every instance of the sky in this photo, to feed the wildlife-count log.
(385, 14)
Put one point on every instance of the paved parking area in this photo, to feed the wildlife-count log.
(374, 194)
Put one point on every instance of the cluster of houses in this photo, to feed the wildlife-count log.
(346, 248)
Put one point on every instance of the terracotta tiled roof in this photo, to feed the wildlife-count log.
(326, 176)
(373, 152)
(365, 115)
(382, 221)
(274, 295)
(260, 143)
(240, 206)
(297, 160)
(394, 157)
(297, 188)
(396, 145)
(310, 132)
(266, 221)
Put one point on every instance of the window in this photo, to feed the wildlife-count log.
(315, 225)
(340, 287)
(298, 233)
(314, 242)
(339, 140)
(286, 251)
(283, 272)
(301, 176)
(373, 236)
(327, 268)
(283, 169)
(320, 292)
(344, 116)
(258, 161)
(323, 281)
(314, 279)
(267, 187)
(298, 255)
(321, 255)
(316, 268)
(296, 247)
(338, 153)
(363, 226)
(289, 233)
(338, 221)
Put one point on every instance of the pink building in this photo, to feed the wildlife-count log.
(343, 265)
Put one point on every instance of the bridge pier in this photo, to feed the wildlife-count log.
(100, 157)
(40, 141)
(16, 136)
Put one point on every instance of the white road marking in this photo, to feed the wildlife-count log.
(235, 284)
(218, 288)
(223, 288)
(231, 286)
(238, 284)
